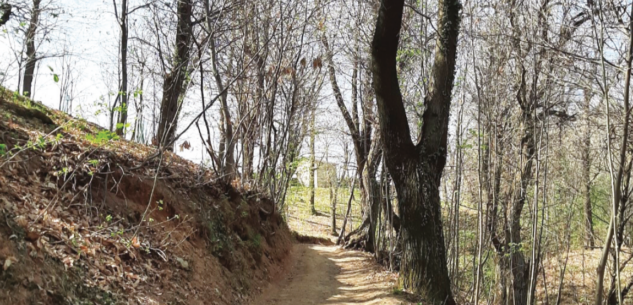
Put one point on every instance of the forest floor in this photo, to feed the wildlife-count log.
(318, 274)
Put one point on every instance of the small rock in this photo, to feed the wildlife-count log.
(183, 263)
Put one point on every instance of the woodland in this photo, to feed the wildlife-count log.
(481, 150)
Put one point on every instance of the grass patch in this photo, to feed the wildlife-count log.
(299, 215)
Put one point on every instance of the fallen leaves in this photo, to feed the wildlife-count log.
(50, 199)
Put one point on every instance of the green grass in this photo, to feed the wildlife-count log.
(299, 216)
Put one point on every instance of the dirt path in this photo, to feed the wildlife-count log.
(329, 275)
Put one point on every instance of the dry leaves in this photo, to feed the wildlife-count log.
(8, 262)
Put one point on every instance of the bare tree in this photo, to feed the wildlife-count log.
(173, 85)
(29, 70)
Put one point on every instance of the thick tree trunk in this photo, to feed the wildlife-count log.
(518, 265)
(173, 84)
(31, 58)
(423, 268)
(416, 170)
(372, 197)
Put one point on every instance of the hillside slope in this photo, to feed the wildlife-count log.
(85, 220)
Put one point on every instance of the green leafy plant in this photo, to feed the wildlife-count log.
(122, 126)
(257, 240)
(58, 138)
(102, 137)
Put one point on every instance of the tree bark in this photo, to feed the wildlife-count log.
(227, 142)
(333, 201)
(365, 236)
(416, 169)
(586, 171)
(123, 91)
(6, 13)
(312, 163)
(349, 209)
(173, 84)
(29, 69)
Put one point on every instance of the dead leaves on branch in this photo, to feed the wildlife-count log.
(185, 145)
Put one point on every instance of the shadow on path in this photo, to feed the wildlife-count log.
(330, 275)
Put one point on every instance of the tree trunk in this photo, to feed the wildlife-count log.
(349, 208)
(227, 143)
(173, 84)
(333, 201)
(254, 129)
(518, 266)
(31, 59)
(416, 170)
(492, 184)
(312, 164)
(6, 13)
(372, 195)
(586, 171)
(616, 175)
(365, 236)
(423, 266)
(138, 134)
(120, 128)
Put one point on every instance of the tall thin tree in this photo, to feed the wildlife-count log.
(173, 85)
(31, 55)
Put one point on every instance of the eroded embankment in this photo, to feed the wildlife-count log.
(85, 220)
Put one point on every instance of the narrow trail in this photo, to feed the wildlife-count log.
(330, 275)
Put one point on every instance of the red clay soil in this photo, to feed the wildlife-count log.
(86, 220)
